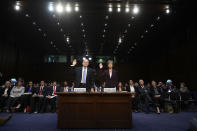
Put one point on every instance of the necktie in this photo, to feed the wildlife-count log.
(40, 92)
(53, 90)
(84, 75)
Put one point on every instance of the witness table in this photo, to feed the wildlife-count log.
(94, 110)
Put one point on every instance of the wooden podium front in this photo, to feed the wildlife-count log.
(94, 110)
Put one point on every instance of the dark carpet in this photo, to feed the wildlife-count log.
(141, 122)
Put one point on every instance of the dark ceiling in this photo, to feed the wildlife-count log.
(93, 29)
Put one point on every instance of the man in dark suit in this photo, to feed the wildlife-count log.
(4, 94)
(84, 76)
(51, 97)
(144, 94)
(38, 96)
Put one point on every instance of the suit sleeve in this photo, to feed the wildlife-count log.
(92, 78)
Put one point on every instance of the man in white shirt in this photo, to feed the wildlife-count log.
(135, 100)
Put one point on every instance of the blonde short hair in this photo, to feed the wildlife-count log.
(110, 61)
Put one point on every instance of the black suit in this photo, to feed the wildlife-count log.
(3, 99)
(109, 82)
(52, 101)
(77, 71)
(38, 101)
(144, 95)
(157, 100)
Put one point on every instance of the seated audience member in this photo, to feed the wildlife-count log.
(172, 91)
(37, 99)
(51, 96)
(4, 94)
(66, 88)
(15, 96)
(170, 86)
(164, 92)
(136, 84)
(183, 88)
(144, 95)
(160, 85)
(73, 85)
(148, 85)
(26, 98)
(156, 96)
(120, 86)
(184, 94)
(13, 82)
(125, 87)
(131, 88)
(22, 81)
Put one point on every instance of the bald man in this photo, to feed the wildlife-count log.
(84, 76)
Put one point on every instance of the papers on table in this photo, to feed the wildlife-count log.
(109, 89)
(79, 89)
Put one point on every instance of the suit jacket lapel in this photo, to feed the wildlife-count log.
(87, 73)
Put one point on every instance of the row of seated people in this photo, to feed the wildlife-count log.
(160, 96)
(42, 98)
(18, 97)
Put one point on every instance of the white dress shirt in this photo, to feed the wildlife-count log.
(6, 91)
(110, 74)
(132, 89)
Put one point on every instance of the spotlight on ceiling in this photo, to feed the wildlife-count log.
(127, 9)
(110, 9)
(84, 58)
(59, 8)
(67, 39)
(118, 8)
(50, 7)
(17, 6)
(68, 8)
(120, 40)
(136, 10)
(90, 58)
(76, 7)
(167, 11)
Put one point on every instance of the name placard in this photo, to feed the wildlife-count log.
(109, 89)
(79, 89)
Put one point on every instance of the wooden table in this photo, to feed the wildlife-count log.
(94, 110)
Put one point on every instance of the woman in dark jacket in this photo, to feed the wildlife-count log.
(156, 96)
(109, 76)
